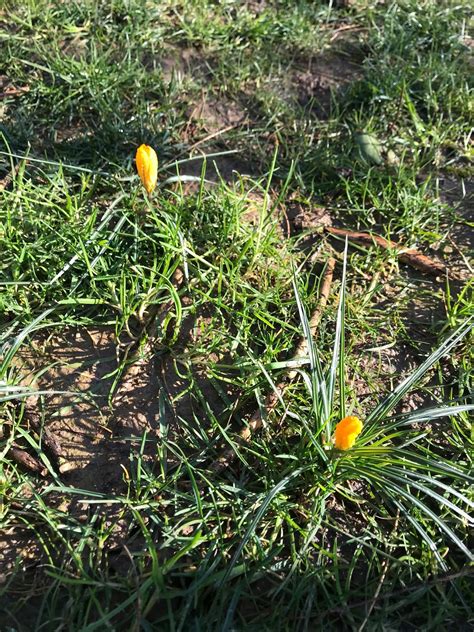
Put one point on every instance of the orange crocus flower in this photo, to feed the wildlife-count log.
(346, 432)
(147, 166)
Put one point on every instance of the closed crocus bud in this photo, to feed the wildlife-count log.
(347, 430)
(147, 166)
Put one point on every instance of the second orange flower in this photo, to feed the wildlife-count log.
(347, 430)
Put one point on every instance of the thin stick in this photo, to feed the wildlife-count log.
(271, 400)
(10, 91)
(326, 282)
(412, 257)
(49, 441)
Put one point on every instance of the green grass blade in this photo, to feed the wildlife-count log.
(337, 364)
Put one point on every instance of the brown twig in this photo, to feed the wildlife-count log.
(11, 91)
(348, 27)
(271, 400)
(194, 146)
(326, 282)
(26, 460)
(411, 257)
(49, 442)
(8, 177)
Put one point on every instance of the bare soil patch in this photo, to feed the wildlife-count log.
(178, 62)
(214, 119)
(227, 168)
(102, 435)
(98, 424)
(459, 243)
(90, 432)
(314, 82)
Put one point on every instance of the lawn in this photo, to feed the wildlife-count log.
(174, 365)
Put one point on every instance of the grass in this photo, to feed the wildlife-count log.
(201, 296)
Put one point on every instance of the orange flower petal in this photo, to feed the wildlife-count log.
(346, 432)
(147, 166)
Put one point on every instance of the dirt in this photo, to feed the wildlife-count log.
(93, 443)
(181, 61)
(217, 114)
(218, 119)
(230, 168)
(458, 247)
(211, 119)
(102, 436)
(321, 76)
(80, 364)
(99, 426)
